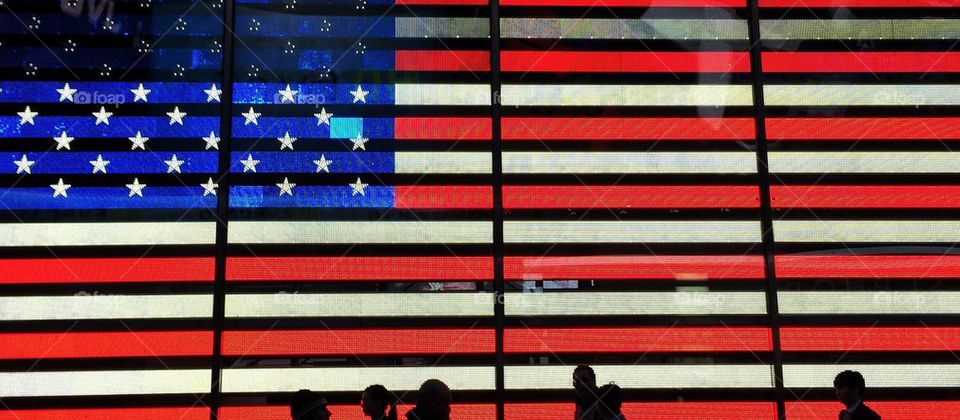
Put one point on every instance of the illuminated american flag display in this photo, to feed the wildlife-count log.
(718, 204)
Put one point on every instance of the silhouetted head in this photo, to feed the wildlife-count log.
(611, 401)
(849, 386)
(308, 405)
(434, 399)
(375, 400)
(585, 382)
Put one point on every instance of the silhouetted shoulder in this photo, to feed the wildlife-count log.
(865, 413)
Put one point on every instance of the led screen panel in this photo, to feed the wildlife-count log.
(108, 136)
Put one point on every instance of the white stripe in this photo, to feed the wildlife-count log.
(109, 382)
(441, 27)
(864, 162)
(634, 303)
(630, 162)
(631, 231)
(753, 375)
(384, 232)
(441, 94)
(29, 308)
(627, 95)
(358, 304)
(862, 302)
(355, 379)
(846, 29)
(866, 230)
(443, 163)
(860, 95)
(877, 376)
(90, 234)
(580, 28)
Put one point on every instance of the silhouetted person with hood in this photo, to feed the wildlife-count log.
(433, 402)
(308, 405)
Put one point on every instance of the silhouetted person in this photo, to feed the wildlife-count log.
(611, 402)
(375, 401)
(849, 386)
(308, 405)
(587, 396)
(433, 402)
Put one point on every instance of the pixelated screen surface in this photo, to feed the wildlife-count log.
(718, 204)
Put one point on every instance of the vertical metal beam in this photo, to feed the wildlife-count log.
(223, 203)
(497, 168)
(766, 212)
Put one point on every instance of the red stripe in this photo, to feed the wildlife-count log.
(861, 62)
(865, 196)
(443, 197)
(352, 412)
(795, 4)
(636, 340)
(627, 3)
(57, 345)
(606, 196)
(157, 413)
(863, 128)
(625, 62)
(713, 410)
(359, 268)
(366, 341)
(445, 60)
(605, 129)
(867, 266)
(105, 270)
(844, 339)
(452, 128)
(611, 267)
(889, 410)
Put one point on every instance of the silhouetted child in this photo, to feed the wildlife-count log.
(611, 402)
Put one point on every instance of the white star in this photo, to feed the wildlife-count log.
(323, 117)
(358, 187)
(63, 142)
(250, 164)
(209, 187)
(251, 117)
(140, 93)
(213, 94)
(136, 188)
(286, 187)
(100, 164)
(286, 141)
(212, 141)
(27, 116)
(176, 116)
(359, 95)
(60, 189)
(23, 165)
(138, 141)
(287, 94)
(66, 93)
(102, 116)
(323, 164)
(173, 164)
(359, 141)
